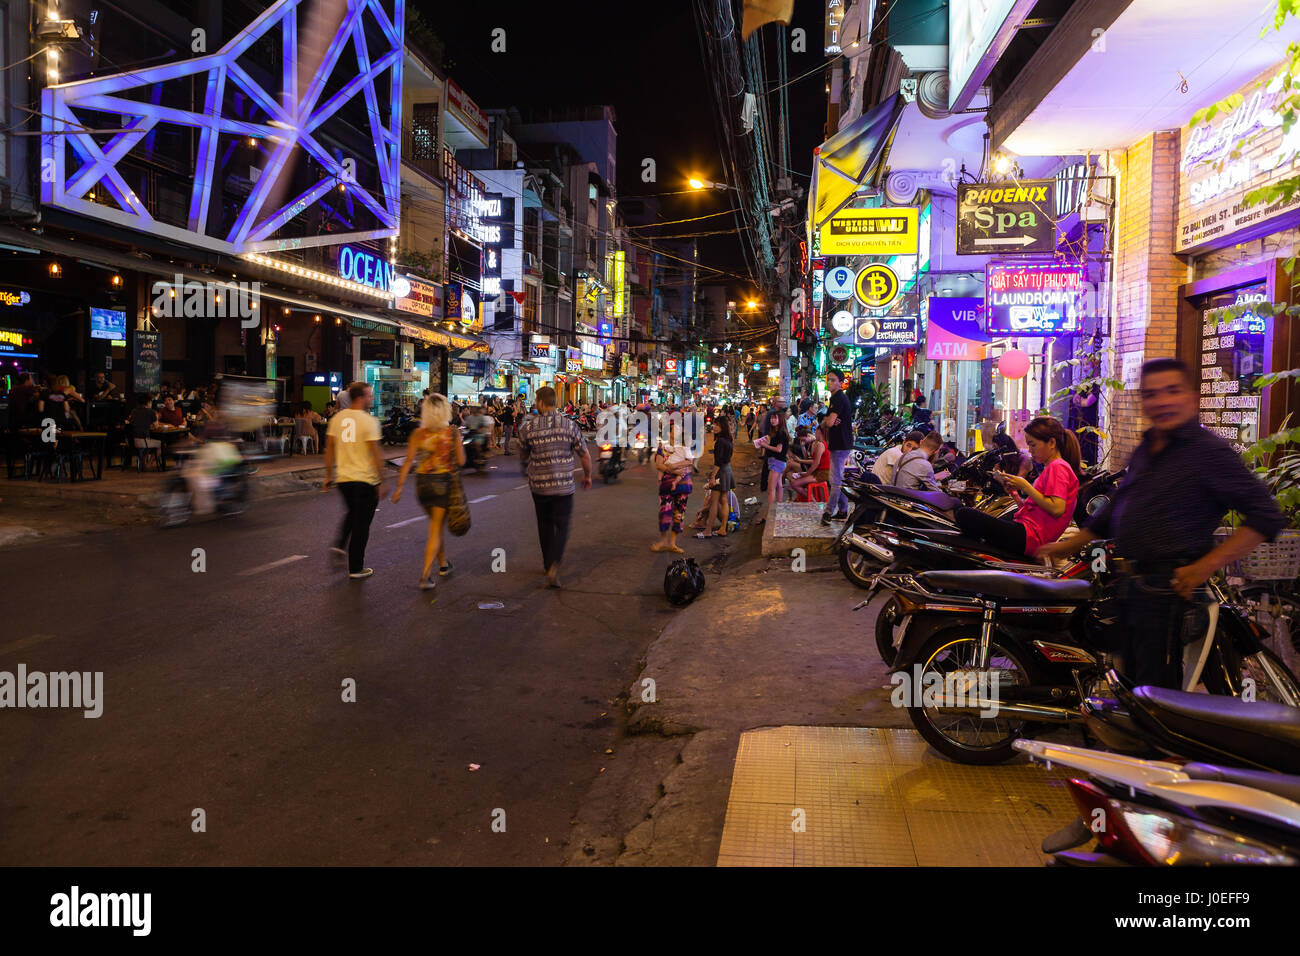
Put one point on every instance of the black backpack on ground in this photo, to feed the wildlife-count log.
(683, 582)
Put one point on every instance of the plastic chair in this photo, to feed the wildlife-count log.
(306, 440)
(817, 491)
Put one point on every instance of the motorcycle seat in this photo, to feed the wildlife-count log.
(1280, 784)
(1010, 586)
(1259, 731)
(935, 499)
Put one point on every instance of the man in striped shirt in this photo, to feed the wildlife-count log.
(549, 443)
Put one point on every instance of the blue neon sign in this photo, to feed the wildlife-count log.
(365, 268)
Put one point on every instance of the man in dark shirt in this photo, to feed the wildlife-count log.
(1181, 482)
(839, 432)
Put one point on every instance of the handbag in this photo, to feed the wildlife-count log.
(458, 519)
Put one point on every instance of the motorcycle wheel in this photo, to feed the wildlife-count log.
(967, 738)
(609, 476)
(1273, 680)
(886, 624)
(858, 568)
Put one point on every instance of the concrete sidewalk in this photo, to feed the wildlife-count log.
(770, 647)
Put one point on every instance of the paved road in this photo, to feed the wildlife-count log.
(223, 689)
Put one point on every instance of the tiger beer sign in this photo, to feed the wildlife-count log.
(871, 232)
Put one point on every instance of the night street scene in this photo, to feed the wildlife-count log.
(711, 433)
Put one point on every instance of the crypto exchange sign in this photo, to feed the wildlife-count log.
(1006, 217)
(871, 232)
(885, 331)
(1024, 299)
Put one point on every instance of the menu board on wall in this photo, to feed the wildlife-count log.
(148, 362)
(1232, 357)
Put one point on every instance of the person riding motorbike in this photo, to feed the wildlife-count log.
(214, 455)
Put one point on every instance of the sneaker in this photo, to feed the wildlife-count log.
(827, 517)
(363, 573)
(444, 570)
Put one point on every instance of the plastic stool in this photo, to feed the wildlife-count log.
(817, 491)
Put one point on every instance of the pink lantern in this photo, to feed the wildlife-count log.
(1013, 364)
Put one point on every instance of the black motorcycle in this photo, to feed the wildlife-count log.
(1020, 650)
(611, 461)
(397, 427)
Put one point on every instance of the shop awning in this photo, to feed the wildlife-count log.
(849, 159)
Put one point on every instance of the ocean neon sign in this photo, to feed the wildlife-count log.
(365, 268)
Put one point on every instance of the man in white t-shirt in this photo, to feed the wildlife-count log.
(885, 464)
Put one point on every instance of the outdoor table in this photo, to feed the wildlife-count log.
(281, 428)
(96, 438)
(167, 435)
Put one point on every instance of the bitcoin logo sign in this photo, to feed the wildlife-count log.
(876, 286)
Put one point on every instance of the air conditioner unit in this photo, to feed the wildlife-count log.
(530, 262)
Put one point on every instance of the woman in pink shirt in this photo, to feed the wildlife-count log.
(1046, 506)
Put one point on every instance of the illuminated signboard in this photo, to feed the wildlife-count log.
(872, 232)
(422, 298)
(886, 331)
(15, 344)
(979, 32)
(670, 366)
(14, 298)
(955, 330)
(1043, 299)
(365, 268)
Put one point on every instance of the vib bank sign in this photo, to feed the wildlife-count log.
(955, 330)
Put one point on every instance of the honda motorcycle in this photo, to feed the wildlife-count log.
(1241, 806)
(1009, 651)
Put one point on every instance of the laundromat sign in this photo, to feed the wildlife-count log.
(1234, 154)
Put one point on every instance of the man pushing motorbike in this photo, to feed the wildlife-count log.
(1182, 480)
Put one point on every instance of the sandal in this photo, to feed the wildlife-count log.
(444, 570)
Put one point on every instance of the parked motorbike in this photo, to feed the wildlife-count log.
(611, 462)
(1024, 650)
(1158, 813)
(397, 427)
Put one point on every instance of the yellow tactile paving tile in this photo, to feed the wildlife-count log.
(859, 796)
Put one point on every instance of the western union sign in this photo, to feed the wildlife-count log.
(871, 232)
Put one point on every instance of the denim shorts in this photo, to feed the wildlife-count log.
(775, 465)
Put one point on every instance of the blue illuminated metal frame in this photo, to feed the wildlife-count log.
(295, 114)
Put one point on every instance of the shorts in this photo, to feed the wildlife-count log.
(822, 474)
(775, 465)
(725, 481)
(433, 490)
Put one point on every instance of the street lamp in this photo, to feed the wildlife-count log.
(708, 184)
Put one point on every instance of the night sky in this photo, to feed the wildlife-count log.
(646, 63)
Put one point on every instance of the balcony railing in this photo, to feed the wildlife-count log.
(420, 151)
